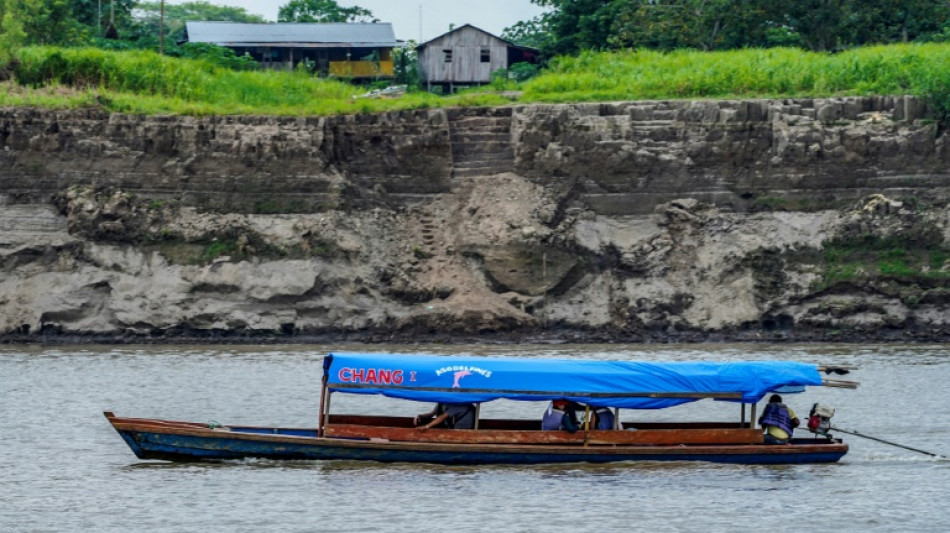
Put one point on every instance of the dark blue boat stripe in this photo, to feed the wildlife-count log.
(193, 447)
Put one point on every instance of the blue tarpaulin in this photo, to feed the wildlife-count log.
(625, 384)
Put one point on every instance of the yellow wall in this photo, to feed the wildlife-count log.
(361, 69)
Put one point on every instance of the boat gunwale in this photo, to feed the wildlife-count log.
(192, 429)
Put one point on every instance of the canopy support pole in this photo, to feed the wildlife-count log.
(324, 407)
(326, 420)
(478, 408)
(752, 419)
(742, 420)
(586, 423)
(617, 424)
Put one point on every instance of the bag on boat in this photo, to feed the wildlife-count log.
(604, 418)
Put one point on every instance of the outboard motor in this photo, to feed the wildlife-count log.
(819, 419)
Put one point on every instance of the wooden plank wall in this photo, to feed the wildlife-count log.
(466, 66)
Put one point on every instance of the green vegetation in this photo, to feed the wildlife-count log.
(921, 69)
(143, 31)
(216, 249)
(938, 259)
(137, 24)
(902, 258)
(610, 50)
(145, 82)
(322, 11)
(570, 26)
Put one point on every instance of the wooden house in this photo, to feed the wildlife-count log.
(468, 56)
(355, 51)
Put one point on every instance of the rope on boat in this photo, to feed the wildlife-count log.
(862, 435)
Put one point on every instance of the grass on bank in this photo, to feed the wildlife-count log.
(907, 258)
(148, 83)
(919, 69)
(144, 82)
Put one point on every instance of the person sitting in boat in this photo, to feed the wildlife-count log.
(778, 420)
(448, 416)
(560, 415)
(602, 418)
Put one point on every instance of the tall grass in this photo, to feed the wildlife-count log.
(145, 82)
(921, 69)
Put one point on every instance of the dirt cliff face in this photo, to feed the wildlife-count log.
(638, 221)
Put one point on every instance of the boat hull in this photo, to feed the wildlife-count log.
(183, 441)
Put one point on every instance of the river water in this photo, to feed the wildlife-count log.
(62, 467)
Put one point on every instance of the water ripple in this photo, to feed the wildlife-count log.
(62, 468)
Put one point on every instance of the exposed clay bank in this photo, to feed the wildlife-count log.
(668, 220)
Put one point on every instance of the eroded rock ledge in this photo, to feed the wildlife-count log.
(638, 221)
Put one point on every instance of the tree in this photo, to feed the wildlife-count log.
(821, 25)
(406, 65)
(147, 24)
(38, 22)
(887, 21)
(94, 14)
(579, 24)
(658, 25)
(701, 24)
(322, 11)
(198, 10)
(534, 33)
(12, 35)
(836, 24)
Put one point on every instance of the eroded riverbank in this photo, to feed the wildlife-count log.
(801, 220)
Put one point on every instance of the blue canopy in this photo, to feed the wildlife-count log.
(626, 384)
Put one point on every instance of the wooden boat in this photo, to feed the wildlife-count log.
(614, 384)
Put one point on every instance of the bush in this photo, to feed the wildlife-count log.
(518, 72)
(217, 55)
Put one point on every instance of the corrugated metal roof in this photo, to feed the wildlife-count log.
(378, 34)
(463, 26)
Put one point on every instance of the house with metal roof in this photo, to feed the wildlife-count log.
(359, 50)
(468, 56)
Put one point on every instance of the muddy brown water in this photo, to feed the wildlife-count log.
(62, 467)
